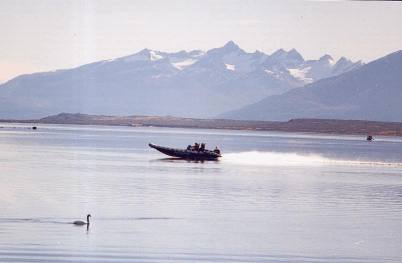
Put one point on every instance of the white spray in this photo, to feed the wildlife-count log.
(256, 158)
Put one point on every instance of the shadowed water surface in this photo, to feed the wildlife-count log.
(273, 197)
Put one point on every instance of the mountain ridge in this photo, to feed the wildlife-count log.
(371, 92)
(184, 83)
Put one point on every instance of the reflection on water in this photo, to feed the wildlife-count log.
(273, 197)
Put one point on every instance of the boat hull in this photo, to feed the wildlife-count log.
(186, 154)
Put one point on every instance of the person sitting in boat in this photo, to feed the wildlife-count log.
(202, 148)
(189, 147)
(216, 150)
(196, 146)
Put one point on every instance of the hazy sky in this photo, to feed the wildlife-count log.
(47, 35)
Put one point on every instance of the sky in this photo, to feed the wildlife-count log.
(44, 35)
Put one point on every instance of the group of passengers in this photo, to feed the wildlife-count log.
(201, 147)
(197, 147)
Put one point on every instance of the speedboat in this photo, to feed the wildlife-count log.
(188, 153)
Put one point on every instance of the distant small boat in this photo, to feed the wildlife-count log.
(188, 153)
(369, 138)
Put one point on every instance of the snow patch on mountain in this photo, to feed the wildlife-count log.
(154, 55)
(144, 55)
(180, 65)
(274, 74)
(300, 74)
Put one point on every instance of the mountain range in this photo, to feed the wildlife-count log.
(186, 83)
(371, 92)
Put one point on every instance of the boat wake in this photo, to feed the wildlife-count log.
(257, 158)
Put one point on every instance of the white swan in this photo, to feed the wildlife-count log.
(81, 223)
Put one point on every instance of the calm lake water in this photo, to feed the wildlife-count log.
(273, 197)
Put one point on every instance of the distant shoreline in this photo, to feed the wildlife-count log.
(326, 126)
